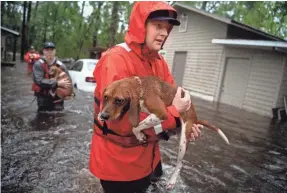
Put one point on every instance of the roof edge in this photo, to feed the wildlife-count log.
(247, 42)
(252, 29)
(222, 19)
(229, 21)
(10, 31)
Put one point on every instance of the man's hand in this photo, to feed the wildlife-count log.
(181, 104)
(65, 83)
(195, 132)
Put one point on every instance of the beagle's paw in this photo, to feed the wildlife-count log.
(171, 183)
(139, 135)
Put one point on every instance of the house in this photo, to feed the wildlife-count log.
(221, 60)
(8, 42)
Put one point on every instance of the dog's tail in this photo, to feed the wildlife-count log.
(212, 127)
(181, 152)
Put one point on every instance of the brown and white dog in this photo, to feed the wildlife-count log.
(151, 95)
(57, 73)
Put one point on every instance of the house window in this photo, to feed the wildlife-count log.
(183, 21)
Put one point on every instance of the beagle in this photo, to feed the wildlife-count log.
(57, 73)
(151, 95)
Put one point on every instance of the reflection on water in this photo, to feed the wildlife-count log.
(50, 152)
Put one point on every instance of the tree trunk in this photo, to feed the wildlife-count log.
(36, 7)
(55, 18)
(29, 12)
(46, 24)
(82, 12)
(8, 14)
(203, 5)
(28, 25)
(23, 30)
(85, 36)
(3, 11)
(81, 39)
(114, 24)
(97, 23)
(14, 49)
(32, 27)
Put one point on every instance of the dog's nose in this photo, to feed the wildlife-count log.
(105, 116)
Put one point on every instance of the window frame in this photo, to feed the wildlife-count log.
(180, 29)
(75, 66)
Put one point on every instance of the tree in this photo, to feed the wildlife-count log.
(97, 9)
(114, 24)
(24, 31)
(74, 32)
(27, 26)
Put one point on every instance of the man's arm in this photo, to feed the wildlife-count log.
(39, 77)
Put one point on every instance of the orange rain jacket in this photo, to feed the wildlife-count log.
(31, 58)
(109, 161)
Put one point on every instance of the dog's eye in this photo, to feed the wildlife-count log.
(105, 98)
(119, 101)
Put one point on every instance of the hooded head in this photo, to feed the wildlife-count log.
(32, 49)
(149, 10)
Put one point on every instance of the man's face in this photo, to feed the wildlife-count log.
(49, 53)
(156, 33)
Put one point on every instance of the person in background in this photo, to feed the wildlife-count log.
(41, 82)
(130, 170)
(31, 57)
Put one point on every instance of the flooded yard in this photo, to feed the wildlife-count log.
(50, 153)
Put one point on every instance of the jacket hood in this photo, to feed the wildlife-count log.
(139, 14)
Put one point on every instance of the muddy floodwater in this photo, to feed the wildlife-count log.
(50, 153)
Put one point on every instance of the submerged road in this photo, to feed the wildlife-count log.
(50, 153)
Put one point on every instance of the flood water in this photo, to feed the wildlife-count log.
(50, 153)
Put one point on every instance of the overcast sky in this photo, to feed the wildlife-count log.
(88, 8)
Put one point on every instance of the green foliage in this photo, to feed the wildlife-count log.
(63, 23)
(268, 16)
(75, 33)
(11, 15)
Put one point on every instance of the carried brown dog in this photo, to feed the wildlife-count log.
(57, 73)
(151, 95)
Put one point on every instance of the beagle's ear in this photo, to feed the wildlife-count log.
(134, 111)
(103, 93)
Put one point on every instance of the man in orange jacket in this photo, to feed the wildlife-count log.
(31, 57)
(129, 170)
